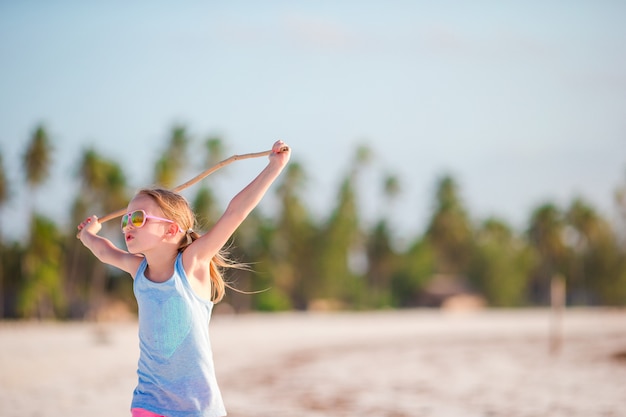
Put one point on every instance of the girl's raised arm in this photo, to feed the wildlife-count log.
(208, 245)
(104, 249)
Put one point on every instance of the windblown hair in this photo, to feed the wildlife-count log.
(176, 208)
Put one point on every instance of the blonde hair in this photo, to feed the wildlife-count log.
(176, 208)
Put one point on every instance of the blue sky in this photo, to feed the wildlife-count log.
(522, 101)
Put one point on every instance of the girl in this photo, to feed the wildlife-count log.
(176, 283)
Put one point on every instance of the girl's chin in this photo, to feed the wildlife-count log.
(131, 249)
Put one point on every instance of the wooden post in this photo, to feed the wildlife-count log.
(557, 302)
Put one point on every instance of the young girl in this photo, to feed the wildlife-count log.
(176, 282)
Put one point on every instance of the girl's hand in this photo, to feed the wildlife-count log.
(91, 225)
(280, 152)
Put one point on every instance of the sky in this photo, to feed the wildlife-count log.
(522, 102)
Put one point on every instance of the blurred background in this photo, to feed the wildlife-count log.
(447, 154)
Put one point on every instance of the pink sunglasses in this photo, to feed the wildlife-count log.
(138, 218)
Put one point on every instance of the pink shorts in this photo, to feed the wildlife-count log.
(140, 412)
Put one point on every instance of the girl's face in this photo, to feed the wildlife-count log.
(140, 239)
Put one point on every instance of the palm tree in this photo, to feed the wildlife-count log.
(103, 190)
(205, 203)
(392, 186)
(215, 150)
(4, 185)
(292, 243)
(174, 159)
(343, 256)
(500, 265)
(417, 266)
(4, 197)
(583, 227)
(37, 158)
(382, 260)
(620, 203)
(545, 236)
(381, 264)
(338, 238)
(42, 294)
(596, 261)
(450, 229)
(37, 161)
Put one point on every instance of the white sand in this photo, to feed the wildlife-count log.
(393, 364)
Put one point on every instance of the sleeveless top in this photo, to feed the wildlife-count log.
(175, 371)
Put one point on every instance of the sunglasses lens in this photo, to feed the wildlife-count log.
(124, 221)
(137, 218)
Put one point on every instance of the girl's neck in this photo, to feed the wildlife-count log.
(160, 266)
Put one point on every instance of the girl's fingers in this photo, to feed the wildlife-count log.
(279, 146)
(87, 222)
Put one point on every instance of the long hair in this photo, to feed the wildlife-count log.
(176, 208)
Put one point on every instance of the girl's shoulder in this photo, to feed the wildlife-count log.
(134, 264)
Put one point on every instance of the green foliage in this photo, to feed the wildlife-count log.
(500, 265)
(174, 159)
(205, 205)
(37, 159)
(382, 262)
(338, 238)
(13, 279)
(103, 184)
(450, 230)
(273, 300)
(333, 261)
(291, 245)
(545, 237)
(408, 281)
(4, 183)
(4, 197)
(42, 295)
(215, 150)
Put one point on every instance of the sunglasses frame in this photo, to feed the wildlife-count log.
(128, 216)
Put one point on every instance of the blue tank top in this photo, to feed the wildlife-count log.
(176, 371)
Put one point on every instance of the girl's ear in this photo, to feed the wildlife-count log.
(173, 229)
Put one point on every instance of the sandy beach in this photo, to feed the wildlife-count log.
(417, 363)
